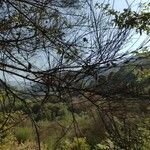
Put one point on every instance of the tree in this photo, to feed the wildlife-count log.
(43, 42)
(132, 19)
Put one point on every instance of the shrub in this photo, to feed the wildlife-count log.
(104, 145)
(10, 143)
(50, 142)
(55, 111)
(23, 134)
(18, 106)
(77, 143)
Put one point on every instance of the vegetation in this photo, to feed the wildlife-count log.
(132, 19)
(67, 80)
(22, 134)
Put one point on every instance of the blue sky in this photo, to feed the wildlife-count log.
(119, 5)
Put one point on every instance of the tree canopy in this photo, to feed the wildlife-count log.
(60, 47)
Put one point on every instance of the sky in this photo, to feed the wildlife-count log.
(120, 5)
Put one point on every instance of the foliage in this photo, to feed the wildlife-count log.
(77, 143)
(57, 45)
(49, 111)
(10, 143)
(105, 145)
(142, 70)
(131, 134)
(132, 19)
(50, 142)
(23, 134)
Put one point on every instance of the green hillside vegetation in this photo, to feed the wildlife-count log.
(64, 127)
